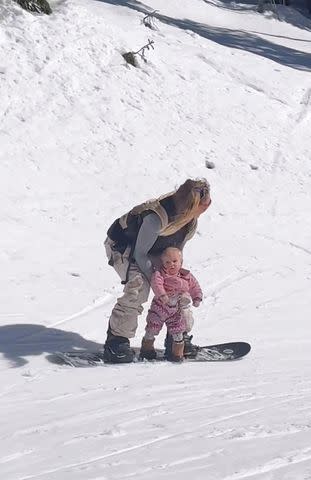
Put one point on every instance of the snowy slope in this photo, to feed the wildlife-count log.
(83, 137)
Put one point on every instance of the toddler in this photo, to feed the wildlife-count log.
(174, 290)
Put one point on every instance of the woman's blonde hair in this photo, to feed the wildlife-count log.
(186, 199)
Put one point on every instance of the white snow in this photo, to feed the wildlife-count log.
(83, 138)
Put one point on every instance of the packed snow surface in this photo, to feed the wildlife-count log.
(83, 138)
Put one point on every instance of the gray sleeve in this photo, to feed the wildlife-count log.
(147, 235)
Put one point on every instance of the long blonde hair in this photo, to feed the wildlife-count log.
(186, 199)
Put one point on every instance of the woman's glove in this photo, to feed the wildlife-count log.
(164, 299)
(184, 300)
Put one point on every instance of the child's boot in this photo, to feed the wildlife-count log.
(177, 351)
(147, 350)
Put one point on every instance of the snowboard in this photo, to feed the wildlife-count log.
(222, 352)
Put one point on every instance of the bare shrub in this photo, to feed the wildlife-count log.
(131, 57)
(149, 20)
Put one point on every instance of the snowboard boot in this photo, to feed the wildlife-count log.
(168, 346)
(177, 354)
(117, 349)
(147, 350)
(190, 350)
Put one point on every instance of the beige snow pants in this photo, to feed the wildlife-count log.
(124, 315)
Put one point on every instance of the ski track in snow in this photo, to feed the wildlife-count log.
(15, 456)
(82, 136)
(290, 459)
(97, 304)
(93, 460)
(305, 106)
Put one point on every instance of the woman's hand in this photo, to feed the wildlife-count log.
(164, 299)
(184, 300)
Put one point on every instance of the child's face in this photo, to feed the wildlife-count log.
(171, 261)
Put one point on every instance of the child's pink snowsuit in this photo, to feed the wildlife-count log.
(184, 283)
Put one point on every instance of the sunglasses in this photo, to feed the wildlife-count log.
(203, 191)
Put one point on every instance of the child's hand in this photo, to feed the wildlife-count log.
(164, 299)
(197, 302)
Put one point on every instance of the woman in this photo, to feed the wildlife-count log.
(134, 243)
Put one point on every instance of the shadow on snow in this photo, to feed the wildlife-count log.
(23, 340)
(237, 39)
